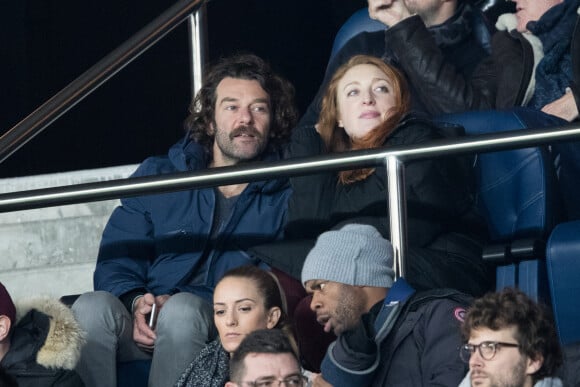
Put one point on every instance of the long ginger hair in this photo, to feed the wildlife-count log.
(336, 139)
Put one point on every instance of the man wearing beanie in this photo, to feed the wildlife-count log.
(388, 334)
(40, 345)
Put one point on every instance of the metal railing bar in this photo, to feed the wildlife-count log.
(99, 73)
(197, 27)
(395, 170)
(286, 168)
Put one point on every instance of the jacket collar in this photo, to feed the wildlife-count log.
(45, 332)
(188, 155)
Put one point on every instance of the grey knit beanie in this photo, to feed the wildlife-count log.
(357, 254)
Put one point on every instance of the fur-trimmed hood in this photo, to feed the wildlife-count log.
(64, 338)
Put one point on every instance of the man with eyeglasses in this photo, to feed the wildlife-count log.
(510, 342)
(265, 358)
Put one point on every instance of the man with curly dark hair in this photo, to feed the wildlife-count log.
(511, 341)
(163, 254)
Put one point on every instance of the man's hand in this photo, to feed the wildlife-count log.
(144, 336)
(318, 381)
(564, 107)
(160, 300)
(388, 12)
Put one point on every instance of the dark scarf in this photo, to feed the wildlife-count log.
(554, 72)
(210, 369)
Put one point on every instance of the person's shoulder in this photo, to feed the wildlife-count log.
(442, 298)
(64, 337)
(414, 127)
(182, 156)
(155, 165)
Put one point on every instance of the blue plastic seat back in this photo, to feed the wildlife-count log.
(515, 189)
(133, 373)
(358, 22)
(563, 262)
(517, 196)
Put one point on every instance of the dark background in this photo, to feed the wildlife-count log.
(45, 44)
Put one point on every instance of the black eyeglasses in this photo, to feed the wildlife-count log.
(487, 349)
(290, 381)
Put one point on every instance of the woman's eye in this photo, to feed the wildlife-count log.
(351, 93)
(219, 312)
(245, 308)
(382, 89)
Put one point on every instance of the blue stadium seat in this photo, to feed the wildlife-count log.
(563, 262)
(517, 195)
(133, 373)
(358, 22)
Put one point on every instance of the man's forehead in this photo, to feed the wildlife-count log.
(261, 365)
(238, 88)
(486, 334)
(312, 285)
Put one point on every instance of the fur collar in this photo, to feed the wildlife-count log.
(508, 22)
(63, 343)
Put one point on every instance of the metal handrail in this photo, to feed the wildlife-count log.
(393, 159)
(213, 177)
(98, 74)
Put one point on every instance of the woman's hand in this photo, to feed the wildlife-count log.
(388, 12)
(564, 107)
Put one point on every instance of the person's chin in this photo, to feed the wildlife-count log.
(479, 381)
(232, 343)
(338, 329)
(249, 152)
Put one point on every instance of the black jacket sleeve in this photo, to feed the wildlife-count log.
(309, 207)
(441, 87)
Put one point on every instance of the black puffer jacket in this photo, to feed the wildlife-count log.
(438, 190)
(45, 345)
(439, 212)
(464, 40)
(502, 80)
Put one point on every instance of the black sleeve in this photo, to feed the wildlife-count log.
(441, 87)
(309, 206)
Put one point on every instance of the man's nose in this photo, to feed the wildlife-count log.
(245, 116)
(475, 360)
(315, 303)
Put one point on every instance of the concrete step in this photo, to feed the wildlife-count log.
(52, 251)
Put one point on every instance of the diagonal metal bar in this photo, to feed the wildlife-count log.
(94, 77)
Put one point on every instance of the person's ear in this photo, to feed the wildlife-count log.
(5, 325)
(273, 317)
(534, 365)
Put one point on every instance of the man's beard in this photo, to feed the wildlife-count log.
(348, 311)
(238, 153)
(516, 378)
